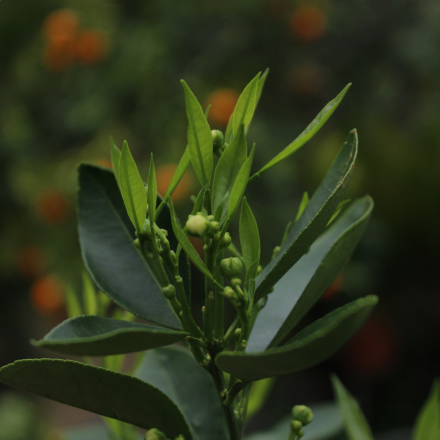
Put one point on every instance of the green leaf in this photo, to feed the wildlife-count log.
(221, 209)
(308, 133)
(152, 190)
(314, 218)
(132, 189)
(227, 170)
(260, 85)
(99, 336)
(187, 246)
(175, 372)
(240, 185)
(106, 236)
(309, 347)
(338, 210)
(356, 426)
(302, 286)
(179, 173)
(198, 204)
(99, 391)
(427, 426)
(199, 137)
(326, 425)
(249, 240)
(72, 303)
(89, 295)
(259, 392)
(115, 153)
(302, 205)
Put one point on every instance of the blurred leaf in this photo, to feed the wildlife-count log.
(199, 137)
(98, 336)
(179, 173)
(249, 240)
(308, 133)
(302, 286)
(88, 432)
(427, 426)
(314, 218)
(175, 372)
(152, 191)
(356, 426)
(89, 295)
(99, 391)
(302, 205)
(309, 347)
(257, 397)
(115, 153)
(132, 188)
(72, 304)
(106, 236)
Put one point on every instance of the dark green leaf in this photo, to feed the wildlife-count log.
(356, 426)
(308, 133)
(152, 190)
(199, 137)
(302, 286)
(106, 236)
(249, 240)
(115, 153)
(98, 336)
(314, 219)
(228, 167)
(98, 390)
(132, 188)
(175, 372)
(309, 347)
(338, 210)
(427, 425)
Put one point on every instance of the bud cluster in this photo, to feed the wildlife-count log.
(301, 416)
(200, 225)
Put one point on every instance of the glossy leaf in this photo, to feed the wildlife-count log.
(240, 185)
(106, 236)
(152, 190)
(338, 210)
(249, 240)
(356, 426)
(302, 206)
(326, 424)
(427, 425)
(309, 347)
(228, 167)
(314, 219)
(89, 295)
(99, 336)
(308, 133)
(175, 372)
(302, 286)
(199, 137)
(115, 153)
(99, 391)
(179, 173)
(132, 188)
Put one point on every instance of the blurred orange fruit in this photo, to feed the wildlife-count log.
(308, 23)
(58, 57)
(91, 46)
(47, 295)
(333, 290)
(31, 262)
(104, 163)
(52, 207)
(164, 174)
(61, 24)
(222, 105)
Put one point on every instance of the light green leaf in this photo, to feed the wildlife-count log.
(228, 167)
(99, 391)
(307, 134)
(179, 173)
(199, 137)
(314, 218)
(249, 240)
(72, 303)
(309, 347)
(115, 153)
(257, 397)
(356, 426)
(99, 336)
(240, 185)
(221, 209)
(427, 426)
(302, 205)
(302, 286)
(89, 295)
(260, 85)
(152, 190)
(132, 189)
(198, 204)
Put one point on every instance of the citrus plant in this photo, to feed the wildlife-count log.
(137, 252)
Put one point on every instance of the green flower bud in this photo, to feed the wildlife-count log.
(259, 270)
(229, 293)
(217, 139)
(197, 225)
(224, 146)
(169, 292)
(275, 251)
(226, 241)
(215, 226)
(295, 426)
(231, 267)
(136, 243)
(146, 228)
(155, 434)
(300, 433)
(237, 333)
(303, 414)
(181, 437)
(164, 232)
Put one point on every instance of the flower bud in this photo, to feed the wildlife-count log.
(226, 241)
(295, 426)
(155, 434)
(231, 267)
(146, 228)
(217, 139)
(181, 437)
(275, 251)
(260, 269)
(197, 225)
(229, 293)
(303, 414)
(136, 243)
(169, 292)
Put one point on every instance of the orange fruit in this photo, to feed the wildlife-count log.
(91, 47)
(308, 23)
(31, 261)
(47, 295)
(104, 163)
(164, 174)
(333, 290)
(61, 24)
(52, 207)
(223, 103)
(59, 56)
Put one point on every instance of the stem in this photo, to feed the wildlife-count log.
(233, 393)
(219, 325)
(208, 316)
(230, 332)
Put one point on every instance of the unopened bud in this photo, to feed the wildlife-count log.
(237, 333)
(136, 243)
(197, 225)
(295, 426)
(173, 257)
(260, 269)
(275, 251)
(226, 241)
(164, 232)
(181, 437)
(217, 139)
(303, 414)
(231, 267)
(169, 292)
(146, 228)
(229, 293)
(155, 434)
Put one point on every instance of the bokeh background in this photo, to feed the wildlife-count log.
(74, 72)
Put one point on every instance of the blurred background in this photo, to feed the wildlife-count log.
(74, 72)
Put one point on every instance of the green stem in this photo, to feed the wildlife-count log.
(208, 316)
(233, 393)
(230, 333)
(219, 325)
